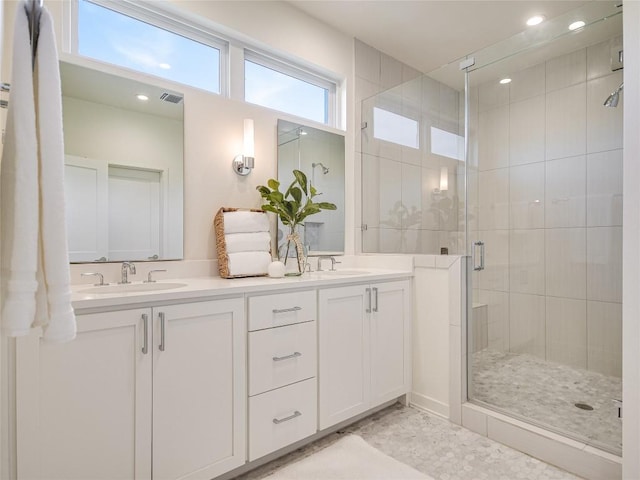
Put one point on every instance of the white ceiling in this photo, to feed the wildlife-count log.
(427, 34)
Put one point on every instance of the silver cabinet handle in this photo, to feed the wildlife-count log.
(375, 291)
(162, 345)
(284, 310)
(368, 291)
(287, 357)
(145, 346)
(477, 267)
(286, 419)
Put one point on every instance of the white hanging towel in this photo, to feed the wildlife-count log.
(35, 259)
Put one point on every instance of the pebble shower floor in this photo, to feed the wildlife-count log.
(548, 392)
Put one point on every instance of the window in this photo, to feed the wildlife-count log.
(153, 38)
(120, 39)
(447, 144)
(395, 128)
(275, 85)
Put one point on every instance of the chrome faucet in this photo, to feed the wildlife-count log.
(327, 257)
(97, 274)
(126, 268)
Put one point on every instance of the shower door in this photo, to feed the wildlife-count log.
(544, 228)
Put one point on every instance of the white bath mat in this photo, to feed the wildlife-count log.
(350, 458)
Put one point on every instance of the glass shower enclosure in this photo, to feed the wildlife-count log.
(516, 162)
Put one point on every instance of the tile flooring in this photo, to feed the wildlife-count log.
(547, 392)
(433, 446)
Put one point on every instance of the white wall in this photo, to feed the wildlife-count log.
(631, 241)
(438, 334)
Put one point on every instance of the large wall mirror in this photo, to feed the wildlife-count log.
(123, 167)
(320, 155)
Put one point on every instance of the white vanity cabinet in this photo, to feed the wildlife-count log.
(283, 356)
(145, 390)
(364, 348)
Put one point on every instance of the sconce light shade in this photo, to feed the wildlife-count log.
(244, 163)
(444, 179)
(248, 145)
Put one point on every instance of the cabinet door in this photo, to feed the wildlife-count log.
(199, 389)
(390, 341)
(343, 339)
(83, 408)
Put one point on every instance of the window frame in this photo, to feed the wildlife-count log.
(298, 72)
(234, 50)
(162, 19)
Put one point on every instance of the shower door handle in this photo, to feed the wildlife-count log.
(476, 245)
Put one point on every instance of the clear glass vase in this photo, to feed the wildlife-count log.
(293, 253)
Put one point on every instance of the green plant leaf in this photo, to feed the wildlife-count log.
(327, 206)
(292, 207)
(296, 193)
(263, 190)
(301, 178)
(273, 184)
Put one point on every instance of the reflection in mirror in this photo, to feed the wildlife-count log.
(123, 167)
(320, 155)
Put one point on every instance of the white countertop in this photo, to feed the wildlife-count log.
(207, 287)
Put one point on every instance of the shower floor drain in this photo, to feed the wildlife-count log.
(583, 406)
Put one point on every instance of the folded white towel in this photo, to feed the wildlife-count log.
(249, 263)
(248, 242)
(19, 202)
(34, 244)
(245, 222)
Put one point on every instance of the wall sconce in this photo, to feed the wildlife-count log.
(244, 163)
(444, 179)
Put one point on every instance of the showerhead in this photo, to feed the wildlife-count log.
(325, 170)
(612, 100)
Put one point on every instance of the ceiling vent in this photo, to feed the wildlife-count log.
(171, 97)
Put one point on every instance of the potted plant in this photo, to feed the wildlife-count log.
(292, 207)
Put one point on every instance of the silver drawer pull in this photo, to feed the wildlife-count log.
(286, 419)
(145, 319)
(285, 310)
(293, 355)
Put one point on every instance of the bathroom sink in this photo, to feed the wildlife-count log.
(341, 272)
(133, 287)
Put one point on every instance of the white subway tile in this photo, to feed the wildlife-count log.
(565, 191)
(526, 324)
(604, 189)
(566, 331)
(526, 195)
(566, 70)
(566, 122)
(565, 262)
(604, 264)
(526, 261)
(526, 131)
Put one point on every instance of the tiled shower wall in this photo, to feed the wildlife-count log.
(546, 198)
(403, 207)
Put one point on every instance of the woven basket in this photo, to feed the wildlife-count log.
(221, 244)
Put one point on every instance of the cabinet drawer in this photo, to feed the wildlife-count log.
(280, 356)
(281, 417)
(268, 311)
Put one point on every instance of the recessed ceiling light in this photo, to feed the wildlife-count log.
(165, 66)
(504, 81)
(142, 97)
(577, 25)
(535, 20)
